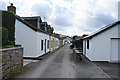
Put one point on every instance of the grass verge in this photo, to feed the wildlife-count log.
(17, 73)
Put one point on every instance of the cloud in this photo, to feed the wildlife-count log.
(42, 9)
(70, 17)
(62, 21)
(99, 20)
(3, 5)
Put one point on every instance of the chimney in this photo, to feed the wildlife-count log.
(11, 8)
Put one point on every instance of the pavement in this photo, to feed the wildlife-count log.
(28, 61)
(111, 69)
(62, 64)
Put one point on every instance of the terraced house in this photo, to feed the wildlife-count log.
(35, 36)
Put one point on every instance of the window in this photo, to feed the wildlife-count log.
(41, 45)
(48, 44)
(87, 44)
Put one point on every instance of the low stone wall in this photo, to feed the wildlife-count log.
(11, 60)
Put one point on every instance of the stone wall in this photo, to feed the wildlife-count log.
(11, 60)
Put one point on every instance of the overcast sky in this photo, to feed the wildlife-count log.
(69, 17)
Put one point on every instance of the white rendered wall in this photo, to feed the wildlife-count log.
(26, 37)
(42, 36)
(56, 43)
(30, 40)
(100, 45)
(114, 50)
(84, 48)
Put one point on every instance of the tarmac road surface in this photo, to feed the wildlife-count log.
(61, 64)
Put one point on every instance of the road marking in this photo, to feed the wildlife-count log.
(101, 70)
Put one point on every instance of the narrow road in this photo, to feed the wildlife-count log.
(62, 64)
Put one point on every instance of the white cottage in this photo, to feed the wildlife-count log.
(34, 40)
(104, 44)
(56, 42)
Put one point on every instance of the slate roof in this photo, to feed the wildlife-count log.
(102, 30)
(29, 25)
(30, 18)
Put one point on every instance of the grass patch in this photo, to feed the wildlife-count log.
(15, 75)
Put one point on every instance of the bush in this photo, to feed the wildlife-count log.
(78, 43)
(0, 37)
(4, 34)
(8, 21)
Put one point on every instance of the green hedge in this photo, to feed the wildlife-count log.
(4, 34)
(8, 21)
(78, 43)
(0, 37)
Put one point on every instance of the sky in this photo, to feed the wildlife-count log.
(68, 17)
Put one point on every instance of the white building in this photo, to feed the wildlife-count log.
(35, 41)
(104, 44)
(56, 42)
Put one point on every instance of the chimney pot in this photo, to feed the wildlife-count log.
(11, 4)
(11, 8)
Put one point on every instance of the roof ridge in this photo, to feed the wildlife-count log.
(102, 29)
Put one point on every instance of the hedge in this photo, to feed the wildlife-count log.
(8, 21)
(4, 34)
(78, 43)
(0, 37)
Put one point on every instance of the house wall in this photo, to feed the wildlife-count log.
(119, 40)
(27, 38)
(30, 40)
(90, 47)
(119, 30)
(100, 45)
(60, 42)
(64, 41)
(52, 43)
(41, 36)
(84, 47)
(56, 43)
(114, 49)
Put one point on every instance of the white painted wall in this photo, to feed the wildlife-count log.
(99, 49)
(84, 48)
(56, 43)
(41, 36)
(119, 10)
(30, 40)
(27, 38)
(114, 50)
